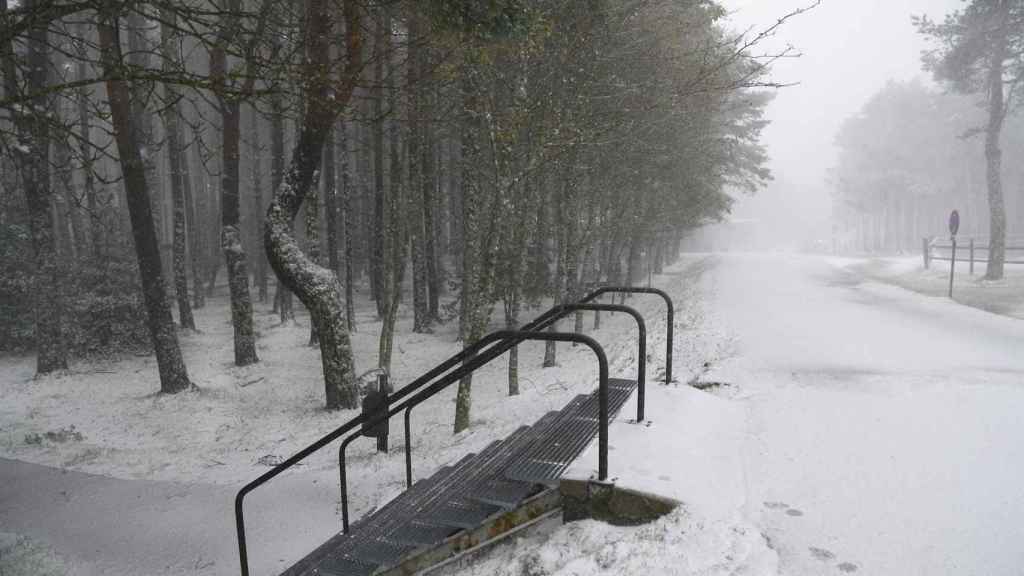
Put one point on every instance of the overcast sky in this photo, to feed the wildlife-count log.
(850, 48)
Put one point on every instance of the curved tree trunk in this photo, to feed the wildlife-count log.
(316, 286)
(312, 222)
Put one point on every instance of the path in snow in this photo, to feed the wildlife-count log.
(884, 427)
(112, 527)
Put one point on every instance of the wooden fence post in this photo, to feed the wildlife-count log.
(972, 256)
(924, 252)
(952, 265)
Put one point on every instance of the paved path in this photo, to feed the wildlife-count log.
(107, 526)
(885, 429)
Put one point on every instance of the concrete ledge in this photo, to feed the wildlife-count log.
(545, 523)
(586, 499)
(466, 542)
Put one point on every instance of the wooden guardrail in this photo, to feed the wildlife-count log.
(969, 249)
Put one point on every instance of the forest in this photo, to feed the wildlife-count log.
(915, 152)
(912, 155)
(464, 160)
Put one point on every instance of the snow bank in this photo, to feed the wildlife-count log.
(689, 449)
(1005, 297)
(678, 544)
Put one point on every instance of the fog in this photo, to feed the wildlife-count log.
(848, 50)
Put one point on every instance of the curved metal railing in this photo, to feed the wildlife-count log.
(471, 358)
(669, 312)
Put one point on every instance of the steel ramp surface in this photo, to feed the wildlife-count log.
(467, 494)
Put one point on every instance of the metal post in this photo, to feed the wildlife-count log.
(343, 476)
(382, 387)
(668, 347)
(670, 315)
(952, 266)
(972, 256)
(641, 371)
(408, 449)
(924, 252)
(513, 337)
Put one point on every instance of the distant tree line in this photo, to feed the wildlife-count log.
(910, 157)
(913, 155)
(454, 157)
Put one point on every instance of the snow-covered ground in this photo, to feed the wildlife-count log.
(1005, 296)
(861, 428)
(890, 421)
(196, 449)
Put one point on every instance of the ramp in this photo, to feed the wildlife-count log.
(474, 492)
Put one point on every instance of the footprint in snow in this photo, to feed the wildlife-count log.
(847, 567)
(776, 505)
(821, 554)
(794, 512)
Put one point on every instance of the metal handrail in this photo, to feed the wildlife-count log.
(641, 364)
(379, 417)
(670, 315)
(516, 337)
(497, 348)
(555, 314)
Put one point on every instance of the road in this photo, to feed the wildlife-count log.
(113, 527)
(885, 429)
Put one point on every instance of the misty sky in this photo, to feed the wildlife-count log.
(850, 48)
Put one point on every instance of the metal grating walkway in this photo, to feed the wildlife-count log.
(464, 495)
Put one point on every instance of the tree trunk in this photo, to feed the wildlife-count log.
(347, 221)
(256, 157)
(282, 297)
(173, 375)
(550, 349)
(230, 210)
(428, 197)
(317, 287)
(993, 153)
(85, 149)
(68, 199)
(68, 219)
(394, 216)
(471, 289)
(138, 56)
(418, 233)
(33, 160)
(331, 204)
(312, 222)
(512, 323)
(377, 95)
(195, 231)
(179, 173)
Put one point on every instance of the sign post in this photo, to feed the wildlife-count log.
(954, 227)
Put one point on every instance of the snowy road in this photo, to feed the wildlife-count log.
(885, 430)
